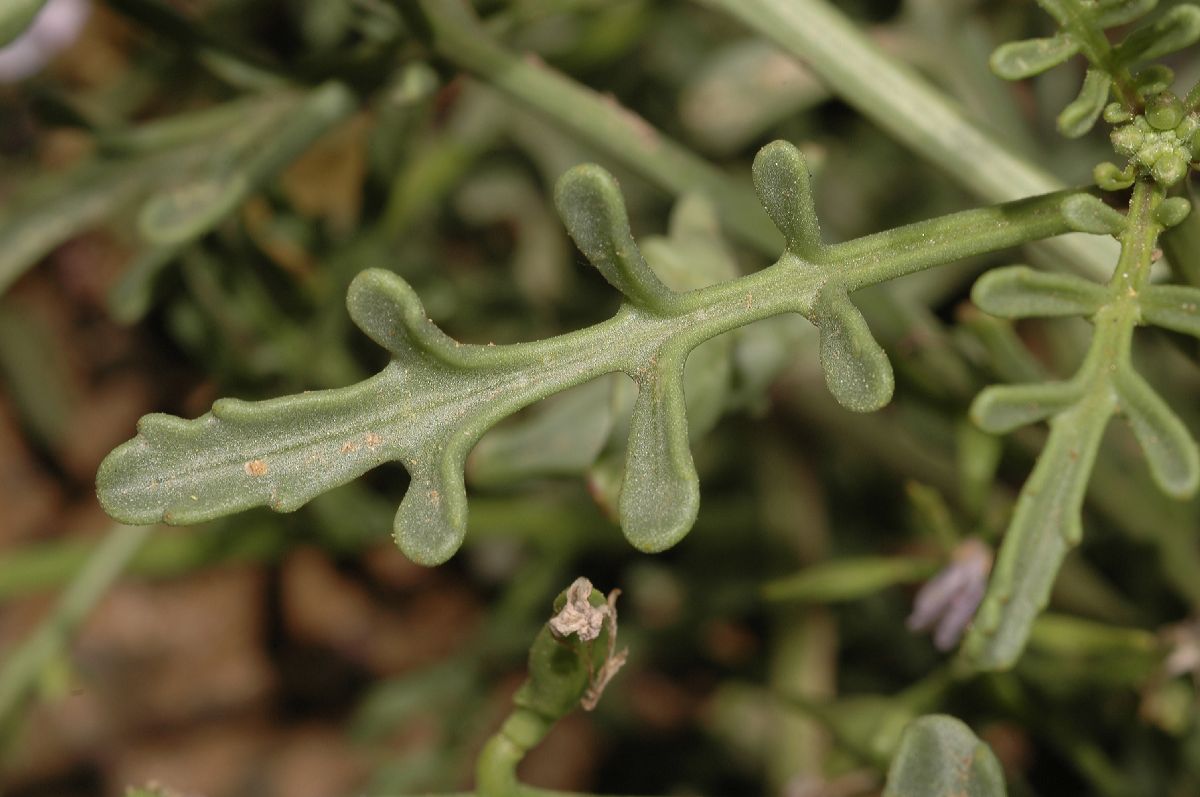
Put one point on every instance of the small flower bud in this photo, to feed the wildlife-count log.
(1164, 111)
(1127, 140)
(1169, 169)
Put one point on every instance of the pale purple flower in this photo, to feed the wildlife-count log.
(948, 601)
(55, 28)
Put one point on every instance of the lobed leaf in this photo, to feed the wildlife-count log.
(1174, 307)
(278, 453)
(784, 187)
(1170, 450)
(660, 495)
(1176, 29)
(1023, 59)
(1022, 292)
(857, 370)
(1080, 116)
(1045, 525)
(593, 210)
(1000, 409)
(939, 756)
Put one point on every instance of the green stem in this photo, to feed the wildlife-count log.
(23, 666)
(908, 108)
(496, 768)
(1095, 47)
(598, 119)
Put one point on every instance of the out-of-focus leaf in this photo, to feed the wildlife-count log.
(561, 437)
(939, 756)
(744, 89)
(848, 579)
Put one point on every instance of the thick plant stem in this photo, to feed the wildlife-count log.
(907, 107)
(22, 667)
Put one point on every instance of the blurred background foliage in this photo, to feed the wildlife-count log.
(187, 190)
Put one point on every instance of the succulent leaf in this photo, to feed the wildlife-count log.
(1080, 116)
(593, 210)
(1002, 408)
(1174, 307)
(939, 756)
(1023, 59)
(784, 188)
(432, 519)
(857, 370)
(1176, 29)
(1086, 213)
(1172, 211)
(660, 495)
(1022, 292)
(1170, 450)
(1111, 13)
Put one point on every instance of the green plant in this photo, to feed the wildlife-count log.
(688, 329)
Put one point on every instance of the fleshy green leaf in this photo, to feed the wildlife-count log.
(939, 756)
(16, 16)
(1176, 29)
(1002, 408)
(1174, 307)
(1024, 59)
(1080, 116)
(784, 188)
(432, 519)
(1170, 450)
(1111, 13)
(1172, 211)
(1021, 292)
(591, 206)
(660, 495)
(857, 370)
(1086, 213)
